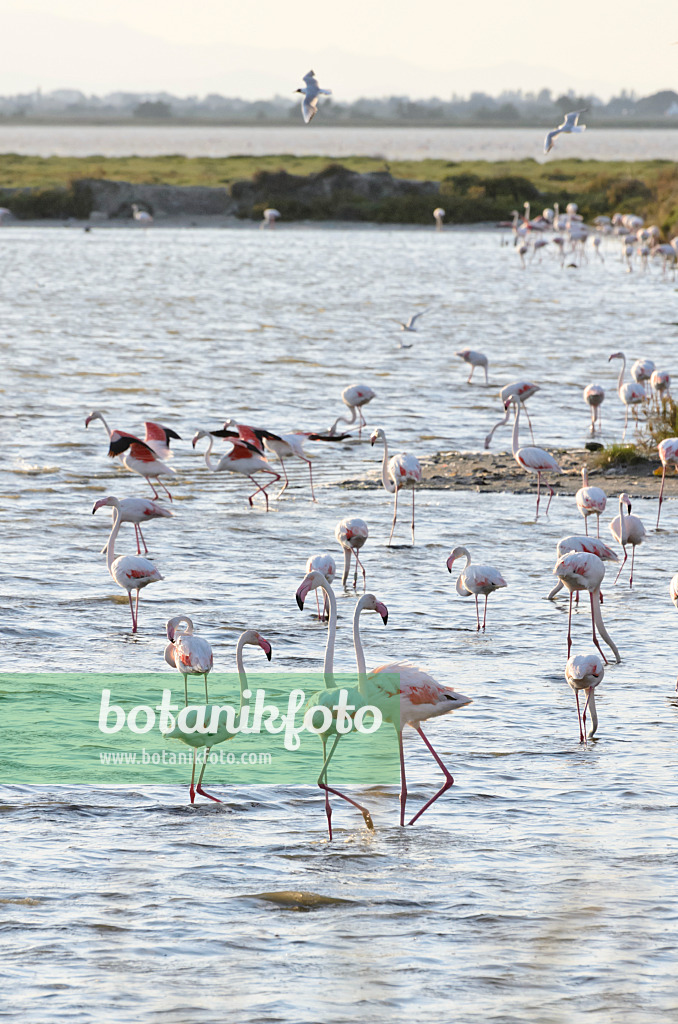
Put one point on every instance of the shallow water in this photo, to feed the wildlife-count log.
(541, 887)
(388, 143)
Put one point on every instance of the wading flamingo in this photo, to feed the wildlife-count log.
(310, 94)
(627, 529)
(131, 572)
(354, 397)
(580, 570)
(631, 394)
(400, 471)
(522, 390)
(473, 359)
(594, 396)
(243, 458)
(140, 458)
(405, 695)
(142, 217)
(641, 371)
(329, 697)
(136, 511)
(660, 382)
(668, 453)
(270, 217)
(352, 534)
(228, 725)
(156, 435)
(285, 446)
(591, 545)
(584, 672)
(591, 501)
(534, 460)
(325, 564)
(476, 579)
(189, 654)
(438, 216)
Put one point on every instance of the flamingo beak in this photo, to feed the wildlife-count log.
(98, 504)
(266, 647)
(194, 440)
(449, 563)
(301, 596)
(383, 611)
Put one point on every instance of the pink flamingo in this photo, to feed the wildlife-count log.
(325, 564)
(224, 731)
(591, 545)
(473, 359)
(534, 460)
(355, 397)
(136, 511)
(630, 394)
(131, 572)
(522, 390)
(156, 435)
(668, 453)
(641, 371)
(285, 446)
(403, 470)
(594, 396)
(352, 534)
(476, 579)
(243, 458)
(580, 570)
(660, 382)
(627, 529)
(141, 459)
(405, 695)
(585, 672)
(328, 697)
(591, 501)
(190, 654)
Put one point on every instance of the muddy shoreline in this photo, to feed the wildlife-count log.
(488, 472)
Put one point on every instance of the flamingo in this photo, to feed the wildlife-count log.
(131, 572)
(627, 529)
(534, 460)
(584, 672)
(591, 545)
(243, 458)
(473, 359)
(591, 501)
(668, 453)
(352, 534)
(438, 215)
(641, 371)
(328, 697)
(136, 511)
(141, 459)
(310, 94)
(660, 382)
(325, 564)
(142, 217)
(226, 729)
(190, 654)
(630, 394)
(156, 435)
(522, 390)
(270, 217)
(285, 446)
(570, 124)
(405, 695)
(354, 397)
(579, 570)
(476, 579)
(594, 396)
(402, 470)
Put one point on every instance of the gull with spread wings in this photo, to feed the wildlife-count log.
(309, 103)
(568, 126)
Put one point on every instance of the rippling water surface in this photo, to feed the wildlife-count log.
(542, 886)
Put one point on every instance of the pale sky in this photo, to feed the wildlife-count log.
(256, 48)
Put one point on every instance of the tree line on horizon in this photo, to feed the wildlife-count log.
(508, 108)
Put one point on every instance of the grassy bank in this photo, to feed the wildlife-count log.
(471, 191)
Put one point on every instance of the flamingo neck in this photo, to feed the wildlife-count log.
(585, 476)
(106, 426)
(357, 642)
(244, 701)
(342, 419)
(592, 711)
(386, 480)
(110, 552)
(347, 565)
(600, 626)
(208, 455)
(516, 422)
(621, 373)
(328, 664)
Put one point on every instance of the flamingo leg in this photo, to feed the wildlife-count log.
(131, 608)
(633, 555)
(155, 493)
(328, 808)
(485, 612)
(661, 494)
(199, 788)
(449, 781)
(598, 526)
(589, 691)
(586, 525)
(413, 516)
(362, 569)
(581, 731)
(477, 613)
(403, 781)
(286, 484)
(192, 789)
(538, 494)
(595, 638)
(143, 541)
(529, 421)
(328, 789)
(395, 514)
(569, 627)
(548, 506)
(136, 535)
(207, 700)
(622, 565)
(185, 691)
(310, 473)
(317, 602)
(626, 421)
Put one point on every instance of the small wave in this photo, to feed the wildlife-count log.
(31, 469)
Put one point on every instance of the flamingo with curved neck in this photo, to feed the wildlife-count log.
(243, 458)
(534, 460)
(131, 572)
(402, 470)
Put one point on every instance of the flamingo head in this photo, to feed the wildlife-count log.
(625, 500)
(255, 639)
(173, 624)
(464, 354)
(369, 602)
(96, 415)
(378, 435)
(458, 552)
(312, 580)
(110, 500)
(198, 435)
(616, 355)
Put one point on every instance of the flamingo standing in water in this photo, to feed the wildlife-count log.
(228, 725)
(243, 458)
(534, 460)
(579, 570)
(352, 534)
(354, 397)
(438, 216)
(642, 371)
(660, 382)
(329, 697)
(285, 446)
(522, 390)
(627, 529)
(142, 217)
(136, 511)
(131, 572)
(591, 545)
(402, 470)
(473, 359)
(476, 579)
(139, 457)
(325, 564)
(190, 654)
(405, 695)
(668, 453)
(630, 393)
(594, 396)
(584, 672)
(591, 501)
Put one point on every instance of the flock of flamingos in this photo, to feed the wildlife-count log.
(580, 563)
